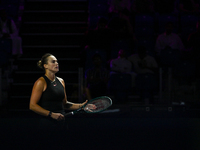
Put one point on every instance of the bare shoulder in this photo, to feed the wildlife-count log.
(41, 80)
(61, 80)
(40, 83)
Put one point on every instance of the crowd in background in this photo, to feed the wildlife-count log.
(10, 41)
(130, 40)
(138, 37)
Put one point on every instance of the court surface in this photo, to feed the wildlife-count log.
(121, 127)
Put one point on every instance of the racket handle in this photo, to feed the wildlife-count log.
(69, 113)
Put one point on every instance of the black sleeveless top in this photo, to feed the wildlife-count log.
(52, 97)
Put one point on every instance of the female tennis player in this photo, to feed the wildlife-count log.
(48, 96)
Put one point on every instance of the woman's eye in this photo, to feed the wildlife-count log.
(54, 61)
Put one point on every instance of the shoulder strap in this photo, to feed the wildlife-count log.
(46, 79)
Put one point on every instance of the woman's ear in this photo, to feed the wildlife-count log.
(45, 66)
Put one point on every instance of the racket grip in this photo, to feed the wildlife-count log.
(69, 113)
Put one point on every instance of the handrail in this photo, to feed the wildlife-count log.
(0, 87)
(80, 87)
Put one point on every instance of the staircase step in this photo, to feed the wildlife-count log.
(24, 89)
(52, 39)
(52, 34)
(57, 27)
(54, 28)
(56, 5)
(59, 51)
(51, 46)
(19, 103)
(55, 11)
(21, 89)
(55, 22)
(64, 64)
(57, 16)
(70, 77)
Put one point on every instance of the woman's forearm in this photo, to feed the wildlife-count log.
(73, 106)
(39, 110)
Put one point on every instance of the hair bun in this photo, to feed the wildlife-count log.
(43, 60)
(39, 63)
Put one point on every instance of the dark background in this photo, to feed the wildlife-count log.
(44, 27)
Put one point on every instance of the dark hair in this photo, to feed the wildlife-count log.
(43, 60)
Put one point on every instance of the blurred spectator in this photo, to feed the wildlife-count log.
(117, 6)
(143, 6)
(193, 44)
(99, 38)
(165, 6)
(121, 19)
(168, 39)
(194, 40)
(121, 64)
(146, 69)
(189, 6)
(121, 28)
(96, 79)
(142, 62)
(8, 30)
(121, 67)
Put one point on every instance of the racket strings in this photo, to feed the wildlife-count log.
(101, 104)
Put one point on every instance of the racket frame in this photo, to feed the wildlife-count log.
(98, 98)
(82, 108)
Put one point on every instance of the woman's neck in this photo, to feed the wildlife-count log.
(50, 76)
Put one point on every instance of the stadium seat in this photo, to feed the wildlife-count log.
(164, 18)
(146, 86)
(188, 20)
(144, 21)
(116, 45)
(184, 70)
(120, 86)
(89, 55)
(169, 57)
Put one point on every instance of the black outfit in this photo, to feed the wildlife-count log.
(52, 100)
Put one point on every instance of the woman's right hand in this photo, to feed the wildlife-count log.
(57, 116)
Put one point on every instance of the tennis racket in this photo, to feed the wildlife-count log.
(95, 105)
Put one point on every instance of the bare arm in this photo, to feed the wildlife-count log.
(70, 105)
(35, 97)
(37, 90)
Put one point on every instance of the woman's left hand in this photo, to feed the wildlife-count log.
(88, 107)
(84, 103)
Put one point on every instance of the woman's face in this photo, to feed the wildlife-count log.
(52, 64)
